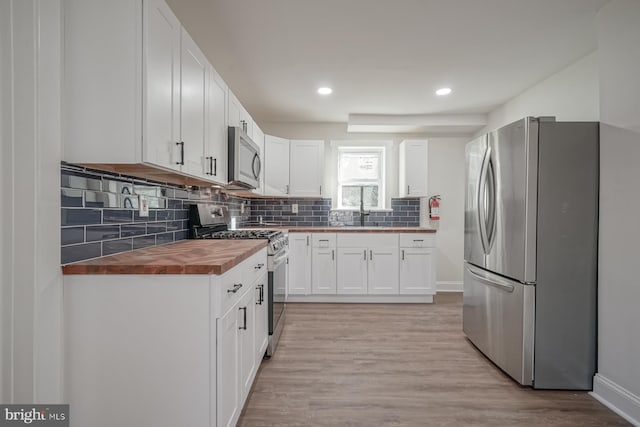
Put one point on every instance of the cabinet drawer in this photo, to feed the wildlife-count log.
(367, 240)
(231, 289)
(417, 240)
(253, 267)
(323, 240)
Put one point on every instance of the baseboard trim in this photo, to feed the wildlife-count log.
(383, 299)
(617, 398)
(449, 286)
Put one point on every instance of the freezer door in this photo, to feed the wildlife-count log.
(498, 318)
(508, 192)
(475, 153)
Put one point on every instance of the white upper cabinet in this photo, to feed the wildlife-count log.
(413, 168)
(137, 91)
(216, 149)
(238, 115)
(161, 39)
(276, 166)
(307, 168)
(194, 99)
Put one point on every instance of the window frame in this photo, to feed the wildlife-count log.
(380, 181)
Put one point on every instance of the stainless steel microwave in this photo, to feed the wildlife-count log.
(244, 160)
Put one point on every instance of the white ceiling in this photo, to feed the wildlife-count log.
(385, 57)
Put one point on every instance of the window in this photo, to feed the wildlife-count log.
(361, 174)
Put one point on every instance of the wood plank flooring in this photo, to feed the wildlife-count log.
(398, 365)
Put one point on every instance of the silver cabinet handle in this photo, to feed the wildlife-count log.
(371, 255)
(365, 254)
(286, 191)
(307, 240)
(333, 254)
(408, 190)
(403, 254)
(321, 190)
(418, 240)
(236, 288)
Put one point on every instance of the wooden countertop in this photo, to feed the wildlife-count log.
(349, 229)
(183, 257)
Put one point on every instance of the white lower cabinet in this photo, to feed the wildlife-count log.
(417, 275)
(323, 264)
(368, 264)
(262, 319)
(188, 358)
(228, 369)
(362, 267)
(299, 263)
(383, 270)
(247, 342)
(352, 270)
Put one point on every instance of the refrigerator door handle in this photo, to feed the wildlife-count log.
(490, 225)
(493, 281)
(482, 201)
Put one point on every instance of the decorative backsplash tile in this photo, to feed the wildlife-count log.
(405, 213)
(278, 211)
(100, 217)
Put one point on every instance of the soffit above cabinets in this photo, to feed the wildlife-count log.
(434, 124)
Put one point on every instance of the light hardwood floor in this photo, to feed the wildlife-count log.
(398, 365)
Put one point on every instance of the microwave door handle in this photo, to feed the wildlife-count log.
(256, 174)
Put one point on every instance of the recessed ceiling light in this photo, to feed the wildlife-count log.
(443, 91)
(325, 90)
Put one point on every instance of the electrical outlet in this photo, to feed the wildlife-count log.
(143, 206)
(242, 207)
(294, 208)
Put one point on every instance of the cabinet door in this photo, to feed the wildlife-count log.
(352, 271)
(276, 166)
(216, 152)
(383, 270)
(413, 168)
(234, 108)
(299, 263)
(417, 273)
(258, 138)
(307, 167)
(228, 395)
(323, 271)
(161, 38)
(193, 123)
(262, 321)
(246, 326)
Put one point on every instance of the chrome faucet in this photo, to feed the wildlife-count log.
(362, 211)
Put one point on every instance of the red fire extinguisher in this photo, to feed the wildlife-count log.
(434, 208)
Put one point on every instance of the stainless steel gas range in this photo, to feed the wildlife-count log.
(211, 222)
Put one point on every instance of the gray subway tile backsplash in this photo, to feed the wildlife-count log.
(79, 252)
(100, 217)
(98, 221)
(111, 247)
(102, 232)
(71, 235)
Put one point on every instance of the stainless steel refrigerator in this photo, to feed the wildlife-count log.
(531, 228)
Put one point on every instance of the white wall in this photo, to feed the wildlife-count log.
(446, 177)
(618, 379)
(30, 78)
(570, 95)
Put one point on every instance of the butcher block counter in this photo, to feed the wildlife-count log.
(183, 257)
